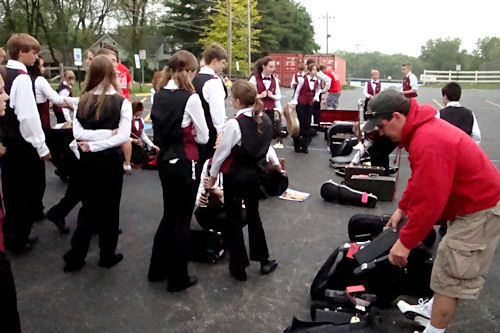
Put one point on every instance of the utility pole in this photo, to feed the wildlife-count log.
(327, 17)
(230, 33)
(249, 40)
(357, 47)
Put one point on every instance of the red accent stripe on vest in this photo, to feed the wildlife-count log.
(268, 102)
(306, 95)
(190, 146)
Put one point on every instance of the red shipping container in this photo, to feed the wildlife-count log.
(330, 61)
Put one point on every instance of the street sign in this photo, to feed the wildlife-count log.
(137, 61)
(459, 67)
(142, 54)
(237, 65)
(77, 56)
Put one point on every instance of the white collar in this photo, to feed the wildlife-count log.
(407, 75)
(66, 84)
(98, 90)
(171, 85)
(373, 81)
(207, 70)
(14, 64)
(309, 77)
(454, 104)
(246, 111)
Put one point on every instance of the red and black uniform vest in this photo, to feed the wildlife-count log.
(268, 101)
(298, 76)
(459, 116)
(369, 89)
(136, 133)
(9, 125)
(245, 160)
(407, 86)
(306, 95)
(43, 110)
(61, 87)
(166, 114)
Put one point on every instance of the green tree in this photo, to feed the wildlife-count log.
(287, 29)
(488, 49)
(184, 21)
(217, 30)
(439, 54)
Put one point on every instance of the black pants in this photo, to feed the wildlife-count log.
(316, 111)
(211, 217)
(9, 317)
(59, 115)
(62, 157)
(23, 185)
(139, 154)
(205, 152)
(71, 198)
(234, 193)
(304, 115)
(169, 256)
(380, 150)
(101, 180)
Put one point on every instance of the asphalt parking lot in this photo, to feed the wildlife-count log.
(300, 236)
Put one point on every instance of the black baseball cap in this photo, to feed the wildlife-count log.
(382, 106)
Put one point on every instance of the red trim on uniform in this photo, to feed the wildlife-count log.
(268, 102)
(407, 86)
(190, 146)
(306, 95)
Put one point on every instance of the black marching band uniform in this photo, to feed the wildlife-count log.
(100, 181)
(23, 171)
(176, 167)
(241, 183)
(58, 112)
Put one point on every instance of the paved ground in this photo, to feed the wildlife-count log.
(300, 237)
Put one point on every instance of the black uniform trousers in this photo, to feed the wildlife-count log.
(380, 150)
(23, 185)
(100, 184)
(169, 256)
(316, 111)
(71, 198)
(304, 115)
(205, 152)
(234, 193)
(9, 317)
(62, 158)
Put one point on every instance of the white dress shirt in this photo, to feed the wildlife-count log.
(144, 137)
(22, 101)
(413, 80)
(232, 137)
(267, 84)
(299, 78)
(325, 78)
(214, 94)
(193, 113)
(102, 139)
(374, 87)
(68, 114)
(476, 132)
(311, 86)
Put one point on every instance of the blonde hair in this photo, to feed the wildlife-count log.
(246, 93)
(102, 75)
(178, 66)
(21, 42)
(69, 74)
(375, 71)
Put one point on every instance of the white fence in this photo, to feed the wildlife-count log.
(431, 76)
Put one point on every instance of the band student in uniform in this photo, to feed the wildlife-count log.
(410, 82)
(452, 180)
(239, 155)
(306, 93)
(268, 87)
(179, 125)
(101, 125)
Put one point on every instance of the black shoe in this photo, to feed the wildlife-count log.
(191, 281)
(268, 266)
(111, 261)
(238, 274)
(305, 150)
(297, 149)
(59, 222)
(71, 264)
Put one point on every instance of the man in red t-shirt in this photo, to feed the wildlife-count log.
(122, 73)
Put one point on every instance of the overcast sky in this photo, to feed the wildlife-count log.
(391, 26)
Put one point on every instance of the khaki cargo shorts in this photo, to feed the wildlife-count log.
(465, 254)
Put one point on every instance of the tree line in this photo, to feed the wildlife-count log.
(436, 54)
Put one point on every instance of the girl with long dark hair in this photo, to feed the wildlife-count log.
(102, 111)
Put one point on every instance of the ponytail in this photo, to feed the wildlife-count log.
(258, 108)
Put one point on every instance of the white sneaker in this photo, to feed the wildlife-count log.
(420, 312)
